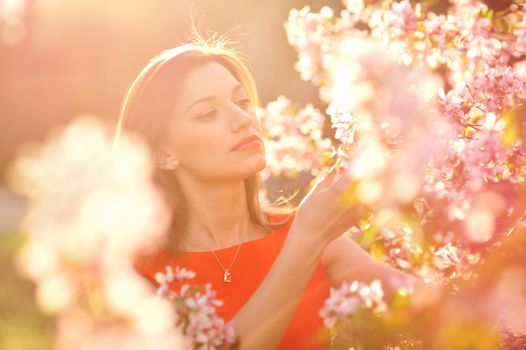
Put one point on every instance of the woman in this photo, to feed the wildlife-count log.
(195, 106)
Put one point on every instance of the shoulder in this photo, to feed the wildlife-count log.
(148, 264)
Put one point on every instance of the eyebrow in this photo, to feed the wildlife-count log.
(208, 98)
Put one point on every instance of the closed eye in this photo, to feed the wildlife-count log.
(209, 115)
(244, 103)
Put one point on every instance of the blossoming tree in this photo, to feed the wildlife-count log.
(428, 118)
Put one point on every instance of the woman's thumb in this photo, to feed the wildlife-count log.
(325, 179)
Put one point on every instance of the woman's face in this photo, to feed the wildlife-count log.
(212, 113)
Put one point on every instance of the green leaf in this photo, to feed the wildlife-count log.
(511, 130)
(502, 25)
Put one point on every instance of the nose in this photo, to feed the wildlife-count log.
(240, 118)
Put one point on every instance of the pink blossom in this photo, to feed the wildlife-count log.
(294, 140)
(346, 300)
(196, 308)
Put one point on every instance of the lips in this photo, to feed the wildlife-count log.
(245, 140)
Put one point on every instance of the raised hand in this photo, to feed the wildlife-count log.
(320, 214)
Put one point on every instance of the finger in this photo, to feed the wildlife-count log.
(325, 179)
(340, 183)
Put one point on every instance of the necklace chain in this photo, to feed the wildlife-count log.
(227, 275)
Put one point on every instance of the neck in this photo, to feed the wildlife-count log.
(218, 215)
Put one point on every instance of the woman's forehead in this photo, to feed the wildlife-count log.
(207, 79)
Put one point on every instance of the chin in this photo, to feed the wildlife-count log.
(256, 168)
(261, 168)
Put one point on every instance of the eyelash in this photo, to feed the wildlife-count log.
(207, 115)
(212, 113)
(247, 101)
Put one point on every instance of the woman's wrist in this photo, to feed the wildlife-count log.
(306, 240)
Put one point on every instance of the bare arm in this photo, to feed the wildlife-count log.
(263, 320)
(345, 261)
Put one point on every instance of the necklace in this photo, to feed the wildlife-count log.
(227, 275)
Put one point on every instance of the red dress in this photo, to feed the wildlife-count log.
(253, 262)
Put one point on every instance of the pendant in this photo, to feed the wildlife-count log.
(227, 276)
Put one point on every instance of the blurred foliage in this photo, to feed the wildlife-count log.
(22, 325)
(458, 319)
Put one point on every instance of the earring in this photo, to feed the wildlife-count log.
(167, 161)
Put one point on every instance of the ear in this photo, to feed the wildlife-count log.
(166, 159)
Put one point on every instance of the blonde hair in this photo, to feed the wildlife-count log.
(146, 111)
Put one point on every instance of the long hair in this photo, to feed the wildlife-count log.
(146, 111)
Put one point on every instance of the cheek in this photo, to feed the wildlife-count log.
(196, 145)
